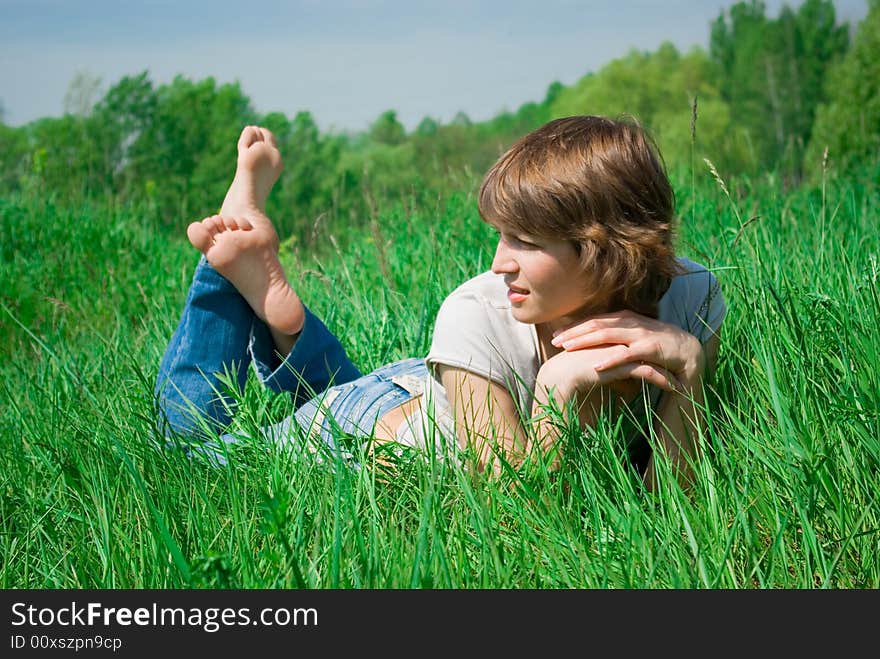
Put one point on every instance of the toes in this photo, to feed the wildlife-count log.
(215, 224)
(268, 136)
(232, 223)
(249, 135)
(200, 235)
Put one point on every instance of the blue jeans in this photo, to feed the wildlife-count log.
(218, 337)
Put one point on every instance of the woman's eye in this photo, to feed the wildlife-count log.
(525, 243)
(520, 242)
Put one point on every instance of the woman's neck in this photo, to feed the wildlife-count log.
(545, 334)
(545, 330)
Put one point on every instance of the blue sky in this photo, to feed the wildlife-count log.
(345, 61)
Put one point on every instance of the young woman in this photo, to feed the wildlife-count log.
(584, 305)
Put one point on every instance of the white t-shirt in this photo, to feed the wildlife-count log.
(476, 331)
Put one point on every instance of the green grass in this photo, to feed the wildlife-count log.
(786, 495)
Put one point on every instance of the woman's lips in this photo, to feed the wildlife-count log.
(516, 294)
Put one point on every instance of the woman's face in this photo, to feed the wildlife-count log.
(545, 280)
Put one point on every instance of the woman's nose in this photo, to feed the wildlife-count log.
(503, 261)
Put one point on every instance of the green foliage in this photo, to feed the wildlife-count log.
(785, 495)
(171, 146)
(189, 147)
(70, 271)
(771, 73)
(387, 129)
(849, 123)
(659, 89)
(427, 127)
(310, 179)
(13, 157)
(126, 112)
(377, 229)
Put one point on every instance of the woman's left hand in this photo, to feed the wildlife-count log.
(638, 339)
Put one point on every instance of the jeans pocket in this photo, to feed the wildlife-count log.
(413, 385)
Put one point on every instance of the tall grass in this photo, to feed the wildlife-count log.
(786, 494)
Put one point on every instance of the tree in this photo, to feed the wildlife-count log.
(848, 124)
(82, 92)
(427, 127)
(387, 129)
(127, 111)
(308, 183)
(62, 157)
(553, 91)
(188, 149)
(658, 89)
(13, 148)
(821, 43)
(460, 119)
(770, 73)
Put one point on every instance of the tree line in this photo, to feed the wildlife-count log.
(769, 94)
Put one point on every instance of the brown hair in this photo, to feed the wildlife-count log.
(601, 184)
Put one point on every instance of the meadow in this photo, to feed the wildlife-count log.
(786, 495)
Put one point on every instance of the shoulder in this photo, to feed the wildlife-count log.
(475, 329)
(694, 279)
(478, 307)
(694, 300)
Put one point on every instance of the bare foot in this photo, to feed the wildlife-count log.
(245, 251)
(259, 166)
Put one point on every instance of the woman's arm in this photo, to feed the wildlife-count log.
(602, 360)
(680, 420)
(487, 420)
(642, 340)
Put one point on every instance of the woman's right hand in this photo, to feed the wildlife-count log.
(573, 373)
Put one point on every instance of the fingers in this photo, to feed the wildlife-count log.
(629, 339)
(651, 373)
(576, 340)
(620, 320)
(624, 316)
(580, 327)
(621, 354)
(638, 351)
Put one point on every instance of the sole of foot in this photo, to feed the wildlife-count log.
(245, 251)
